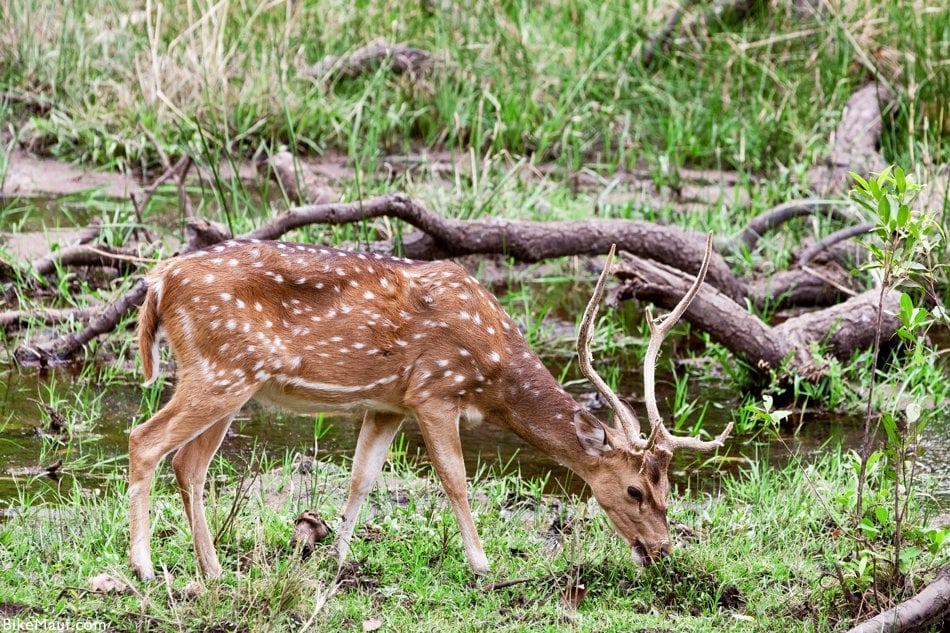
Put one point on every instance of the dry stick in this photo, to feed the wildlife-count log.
(505, 583)
(180, 167)
(402, 59)
(183, 200)
(930, 606)
(102, 255)
(661, 38)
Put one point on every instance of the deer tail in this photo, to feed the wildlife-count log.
(149, 323)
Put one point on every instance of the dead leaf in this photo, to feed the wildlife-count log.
(372, 624)
(107, 583)
(573, 595)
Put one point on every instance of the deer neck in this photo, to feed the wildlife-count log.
(541, 412)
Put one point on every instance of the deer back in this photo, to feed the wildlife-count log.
(313, 328)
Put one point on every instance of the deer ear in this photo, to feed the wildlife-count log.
(592, 434)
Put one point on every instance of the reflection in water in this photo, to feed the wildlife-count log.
(105, 417)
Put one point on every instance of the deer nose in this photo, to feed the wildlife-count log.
(665, 550)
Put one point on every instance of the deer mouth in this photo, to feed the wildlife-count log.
(640, 554)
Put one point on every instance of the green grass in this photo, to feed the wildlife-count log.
(559, 81)
(517, 85)
(757, 556)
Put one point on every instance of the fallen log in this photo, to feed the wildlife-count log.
(929, 607)
(842, 328)
(523, 240)
(201, 234)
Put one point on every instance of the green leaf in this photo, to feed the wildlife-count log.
(868, 527)
(872, 459)
(890, 426)
(903, 215)
(883, 518)
(900, 180)
(907, 306)
(884, 209)
(862, 183)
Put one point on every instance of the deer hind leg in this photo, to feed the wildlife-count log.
(191, 469)
(177, 423)
(376, 436)
(441, 435)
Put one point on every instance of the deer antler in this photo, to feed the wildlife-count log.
(659, 328)
(626, 418)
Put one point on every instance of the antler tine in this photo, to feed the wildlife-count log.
(626, 418)
(659, 328)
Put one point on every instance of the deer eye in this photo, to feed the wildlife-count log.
(635, 493)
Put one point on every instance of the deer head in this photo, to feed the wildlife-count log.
(629, 475)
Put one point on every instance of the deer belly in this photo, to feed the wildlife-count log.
(304, 396)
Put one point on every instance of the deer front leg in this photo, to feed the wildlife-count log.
(441, 435)
(376, 436)
(191, 469)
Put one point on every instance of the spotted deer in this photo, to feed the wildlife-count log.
(318, 329)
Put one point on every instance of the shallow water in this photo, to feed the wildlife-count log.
(103, 417)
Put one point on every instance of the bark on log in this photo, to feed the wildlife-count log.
(930, 606)
(812, 286)
(855, 140)
(83, 255)
(525, 241)
(782, 213)
(842, 328)
(11, 319)
(716, 309)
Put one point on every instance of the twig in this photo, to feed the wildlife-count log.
(661, 38)
(86, 255)
(505, 583)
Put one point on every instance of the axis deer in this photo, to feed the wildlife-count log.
(316, 329)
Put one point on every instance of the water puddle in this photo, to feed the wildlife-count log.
(88, 441)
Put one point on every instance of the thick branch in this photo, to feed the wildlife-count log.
(10, 319)
(525, 241)
(780, 214)
(817, 285)
(809, 253)
(928, 607)
(201, 233)
(856, 141)
(101, 255)
(843, 328)
(712, 311)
